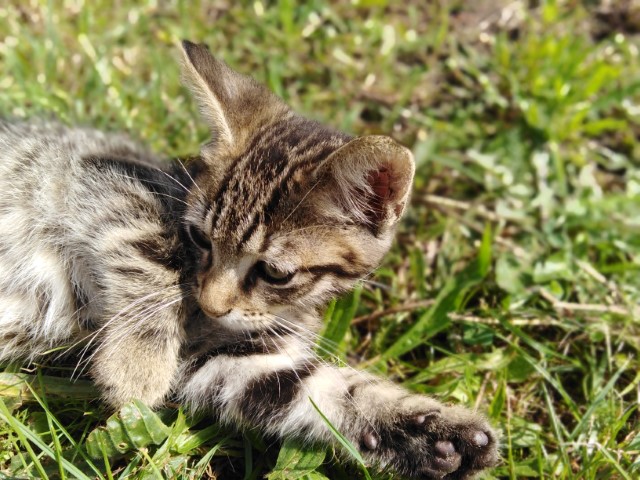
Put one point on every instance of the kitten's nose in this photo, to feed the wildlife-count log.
(219, 294)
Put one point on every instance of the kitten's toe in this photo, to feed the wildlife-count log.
(480, 439)
(477, 449)
(446, 459)
(444, 448)
(444, 443)
(464, 447)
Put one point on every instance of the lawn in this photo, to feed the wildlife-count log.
(514, 283)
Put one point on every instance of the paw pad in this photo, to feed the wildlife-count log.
(480, 439)
(445, 448)
(447, 460)
(438, 443)
(370, 441)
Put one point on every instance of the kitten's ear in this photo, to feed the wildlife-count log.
(370, 180)
(231, 103)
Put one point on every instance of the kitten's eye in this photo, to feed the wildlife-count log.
(199, 238)
(272, 275)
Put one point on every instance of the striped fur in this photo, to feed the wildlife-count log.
(204, 281)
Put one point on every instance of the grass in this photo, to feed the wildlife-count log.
(515, 282)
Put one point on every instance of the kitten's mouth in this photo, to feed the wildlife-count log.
(239, 322)
(214, 315)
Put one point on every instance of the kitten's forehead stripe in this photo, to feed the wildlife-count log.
(259, 168)
(255, 185)
(264, 213)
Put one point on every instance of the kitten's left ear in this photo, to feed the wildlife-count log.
(370, 180)
(231, 103)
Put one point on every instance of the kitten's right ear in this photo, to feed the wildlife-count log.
(232, 104)
(369, 179)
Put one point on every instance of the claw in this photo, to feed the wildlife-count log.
(420, 419)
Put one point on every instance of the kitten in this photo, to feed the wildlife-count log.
(205, 282)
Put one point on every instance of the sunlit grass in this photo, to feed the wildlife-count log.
(514, 285)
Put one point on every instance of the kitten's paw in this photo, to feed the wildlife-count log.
(450, 443)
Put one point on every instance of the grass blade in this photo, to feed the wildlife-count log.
(436, 318)
(348, 446)
(24, 433)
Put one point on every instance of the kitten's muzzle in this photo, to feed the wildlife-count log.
(235, 320)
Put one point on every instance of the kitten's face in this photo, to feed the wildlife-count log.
(286, 213)
(277, 276)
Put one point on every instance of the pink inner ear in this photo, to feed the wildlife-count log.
(380, 182)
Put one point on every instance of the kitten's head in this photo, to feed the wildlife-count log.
(285, 212)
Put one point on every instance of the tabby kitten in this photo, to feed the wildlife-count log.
(205, 282)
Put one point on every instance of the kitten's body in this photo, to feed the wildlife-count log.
(205, 283)
(72, 253)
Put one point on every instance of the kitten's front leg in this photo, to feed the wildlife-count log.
(136, 347)
(138, 363)
(137, 305)
(411, 434)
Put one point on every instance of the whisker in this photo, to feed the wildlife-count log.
(175, 180)
(172, 197)
(301, 201)
(127, 308)
(308, 342)
(189, 175)
(291, 325)
(128, 329)
(306, 348)
(310, 332)
(160, 184)
(131, 308)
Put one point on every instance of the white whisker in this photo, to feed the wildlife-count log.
(175, 180)
(189, 175)
(133, 307)
(113, 340)
(301, 201)
(156, 183)
(290, 326)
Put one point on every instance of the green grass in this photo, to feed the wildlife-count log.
(515, 282)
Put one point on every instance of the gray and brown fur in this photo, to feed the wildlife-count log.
(204, 281)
